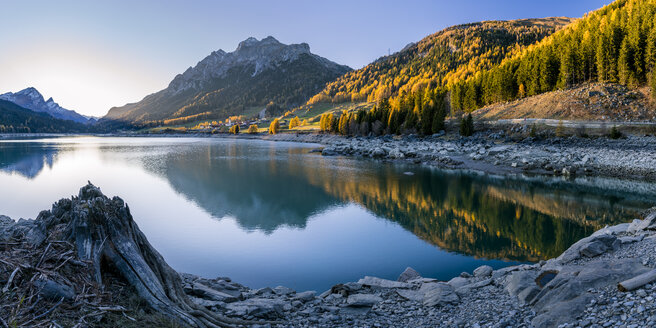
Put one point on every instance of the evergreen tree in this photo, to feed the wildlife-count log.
(467, 126)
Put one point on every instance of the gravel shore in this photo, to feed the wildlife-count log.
(630, 157)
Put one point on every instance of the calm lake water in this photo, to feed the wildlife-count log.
(268, 214)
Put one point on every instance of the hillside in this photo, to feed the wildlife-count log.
(439, 59)
(257, 73)
(593, 102)
(616, 43)
(32, 99)
(16, 119)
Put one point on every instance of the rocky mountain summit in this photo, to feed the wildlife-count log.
(32, 99)
(230, 83)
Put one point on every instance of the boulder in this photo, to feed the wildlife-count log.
(258, 307)
(408, 274)
(519, 281)
(649, 223)
(566, 296)
(440, 294)
(282, 290)
(483, 271)
(411, 295)
(383, 283)
(458, 282)
(305, 296)
(346, 289)
(591, 245)
(363, 300)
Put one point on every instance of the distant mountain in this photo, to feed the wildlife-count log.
(440, 59)
(16, 119)
(32, 99)
(223, 84)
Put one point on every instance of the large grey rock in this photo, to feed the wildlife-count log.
(258, 307)
(346, 289)
(53, 290)
(466, 289)
(282, 290)
(408, 274)
(458, 282)
(649, 223)
(411, 295)
(363, 300)
(566, 296)
(440, 294)
(483, 271)
(527, 295)
(520, 280)
(305, 296)
(383, 283)
(590, 245)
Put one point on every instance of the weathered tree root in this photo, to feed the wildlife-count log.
(105, 234)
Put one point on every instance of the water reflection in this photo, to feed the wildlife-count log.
(26, 159)
(478, 215)
(265, 186)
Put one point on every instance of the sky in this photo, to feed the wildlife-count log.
(93, 55)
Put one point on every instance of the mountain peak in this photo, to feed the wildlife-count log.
(252, 55)
(32, 99)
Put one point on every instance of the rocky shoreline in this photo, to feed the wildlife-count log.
(631, 157)
(577, 289)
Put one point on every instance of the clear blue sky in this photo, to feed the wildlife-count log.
(91, 55)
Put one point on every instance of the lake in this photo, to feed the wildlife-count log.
(272, 213)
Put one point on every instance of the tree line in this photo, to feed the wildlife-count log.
(420, 112)
(614, 44)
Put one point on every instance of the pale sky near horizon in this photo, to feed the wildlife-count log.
(93, 55)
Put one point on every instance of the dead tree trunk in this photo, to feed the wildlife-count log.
(103, 231)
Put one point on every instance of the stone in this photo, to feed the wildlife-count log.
(527, 295)
(346, 289)
(574, 252)
(458, 282)
(383, 283)
(258, 307)
(408, 274)
(282, 290)
(441, 294)
(649, 223)
(305, 296)
(363, 300)
(411, 295)
(520, 280)
(53, 290)
(483, 271)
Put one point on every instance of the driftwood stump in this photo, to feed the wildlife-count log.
(105, 235)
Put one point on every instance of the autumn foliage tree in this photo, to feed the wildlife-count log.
(274, 127)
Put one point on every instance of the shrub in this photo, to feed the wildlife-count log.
(252, 129)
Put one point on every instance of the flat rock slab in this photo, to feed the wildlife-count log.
(440, 294)
(383, 283)
(411, 295)
(363, 300)
(258, 307)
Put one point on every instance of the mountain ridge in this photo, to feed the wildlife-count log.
(263, 69)
(33, 100)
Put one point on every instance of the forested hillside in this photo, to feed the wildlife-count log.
(439, 59)
(616, 43)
